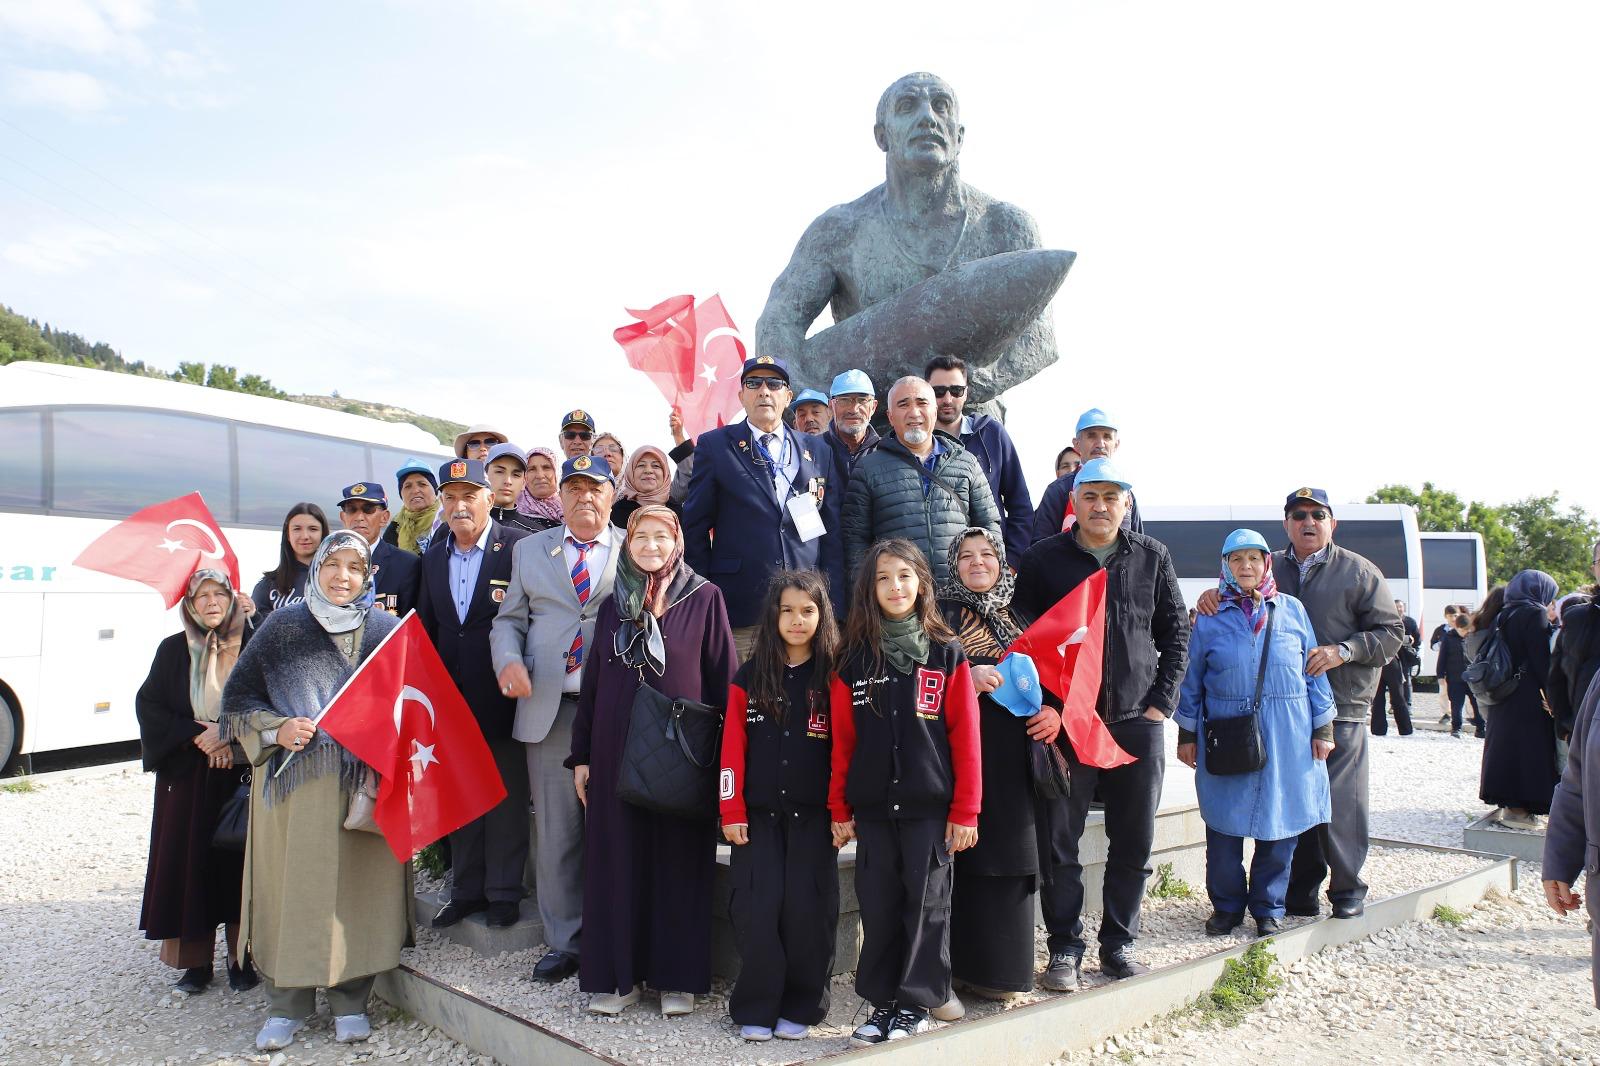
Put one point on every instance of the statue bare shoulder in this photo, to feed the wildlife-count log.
(996, 226)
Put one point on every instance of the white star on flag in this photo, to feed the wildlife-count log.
(422, 755)
(172, 546)
(709, 373)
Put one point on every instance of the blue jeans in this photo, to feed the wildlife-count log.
(1269, 874)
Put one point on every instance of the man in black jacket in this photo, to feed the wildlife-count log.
(1146, 650)
(1576, 656)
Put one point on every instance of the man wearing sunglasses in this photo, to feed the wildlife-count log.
(990, 444)
(577, 433)
(474, 442)
(396, 574)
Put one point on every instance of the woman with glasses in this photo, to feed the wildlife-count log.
(475, 442)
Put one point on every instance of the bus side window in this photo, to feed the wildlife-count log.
(21, 459)
(279, 468)
(114, 462)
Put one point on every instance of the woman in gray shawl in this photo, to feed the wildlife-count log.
(325, 907)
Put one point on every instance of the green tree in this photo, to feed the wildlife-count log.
(1438, 510)
(193, 373)
(222, 377)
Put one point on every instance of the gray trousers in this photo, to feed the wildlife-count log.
(345, 999)
(558, 824)
(488, 855)
(1338, 849)
(744, 642)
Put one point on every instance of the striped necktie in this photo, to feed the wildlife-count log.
(580, 585)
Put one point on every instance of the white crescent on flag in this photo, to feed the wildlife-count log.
(721, 331)
(421, 754)
(213, 552)
(1076, 638)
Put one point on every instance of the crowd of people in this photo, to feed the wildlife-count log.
(843, 598)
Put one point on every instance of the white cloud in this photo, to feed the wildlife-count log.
(68, 90)
(63, 251)
(92, 27)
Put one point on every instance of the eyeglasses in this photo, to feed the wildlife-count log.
(771, 384)
(852, 401)
(942, 391)
(576, 434)
(364, 508)
(1318, 515)
(484, 442)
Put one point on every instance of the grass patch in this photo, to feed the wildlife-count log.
(1445, 914)
(20, 785)
(1168, 886)
(1245, 984)
(430, 860)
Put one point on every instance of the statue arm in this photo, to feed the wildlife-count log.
(799, 294)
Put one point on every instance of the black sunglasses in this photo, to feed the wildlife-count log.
(576, 434)
(957, 391)
(484, 442)
(1318, 515)
(364, 508)
(764, 382)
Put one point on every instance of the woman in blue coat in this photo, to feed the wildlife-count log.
(1287, 796)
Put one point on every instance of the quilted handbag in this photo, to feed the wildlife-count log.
(669, 761)
(233, 822)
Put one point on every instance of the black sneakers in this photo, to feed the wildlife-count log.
(1119, 964)
(1063, 972)
(875, 1030)
(907, 1022)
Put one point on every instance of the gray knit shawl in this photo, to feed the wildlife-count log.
(292, 668)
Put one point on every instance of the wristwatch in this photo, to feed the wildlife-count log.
(1345, 654)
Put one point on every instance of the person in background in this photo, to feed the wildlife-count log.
(1576, 656)
(1228, 651)
(1395, 679)
(646, 481)
(608, 446)
(507, 472)
(810, 412)
(303, 529)
(539, 502)
(1519, 747)
(850, 434)
(190, 887)
(1451, 664)
(418, 519)
(682, 454)
(1067, 461)
(1095, 438)
(987, 441)
(1572, 838)
(364, 509)
(577, 433)
(1439, 631)
(1435, 640)
(475, 441)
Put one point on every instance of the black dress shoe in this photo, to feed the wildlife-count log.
(503, 913)
(455, 910)
(1221, 923)
(1268, 927)
(555, 966)
(242, 977)
(194, 979)
(1349, 908)
(1303, 910)
(1120, 963)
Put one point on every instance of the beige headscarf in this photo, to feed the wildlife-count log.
(630, 488)
(212, 652)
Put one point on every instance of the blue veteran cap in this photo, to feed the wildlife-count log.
(463, 471)
(578, 417)
(1244, 538)
(1314, 497)
(501, 451)
(851, 382)
(1019, 691)
(809, 396)
(765, 362)
(1094, 417)
(1100, 470)
(415, 466)
(593, 467)
(364, 490)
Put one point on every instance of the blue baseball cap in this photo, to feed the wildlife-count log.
(851, 382)
(1019, 692)
(1100, 470)
(809, 396)
(765, 362)
(1244, 538)
(593, 467)
(1094, 417)
(415, 466)
(464, 471)
(1307, 495)
(502, 450)
(364, 490)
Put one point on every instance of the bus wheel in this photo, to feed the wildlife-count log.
(8, 733)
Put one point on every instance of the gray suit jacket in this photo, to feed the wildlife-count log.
(537, 621)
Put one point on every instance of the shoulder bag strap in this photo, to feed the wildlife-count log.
(911, 461)
(1266, 649)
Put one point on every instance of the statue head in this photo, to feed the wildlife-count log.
(919, 123)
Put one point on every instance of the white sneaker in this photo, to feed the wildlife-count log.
(674, 1004)
(952, 1010)
(787, 1030)
(278, 1033)
(351, 1028)
(611, 1003)
(755, 1034)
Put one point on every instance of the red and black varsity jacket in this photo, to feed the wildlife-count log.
(770, 764)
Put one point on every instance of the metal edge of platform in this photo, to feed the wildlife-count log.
(1486, 833)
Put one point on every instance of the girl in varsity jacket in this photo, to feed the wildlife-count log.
(906, 784)
(776, 744)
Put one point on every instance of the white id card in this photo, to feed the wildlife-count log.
(807, 522)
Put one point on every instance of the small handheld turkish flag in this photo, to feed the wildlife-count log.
(1067, 644)
(402, 715)
(162, 546)
(1069, 517)
(692, 354)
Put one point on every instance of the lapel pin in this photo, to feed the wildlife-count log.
(496, 546)
(807, 456)
(743, 445)
(555, 551)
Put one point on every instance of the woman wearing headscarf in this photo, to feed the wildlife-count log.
(647, 876)
(646, 482)
(997, 879)
(1519, 745)
(325, 907)
(190, 887)
(1255, 623)
(540, 498)
(303, 529)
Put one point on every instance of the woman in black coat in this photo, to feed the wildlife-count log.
(190, 887)
(1519, 748)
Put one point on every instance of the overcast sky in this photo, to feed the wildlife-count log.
(1341, 245)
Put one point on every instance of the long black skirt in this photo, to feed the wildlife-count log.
(190, 887)
(991, 930)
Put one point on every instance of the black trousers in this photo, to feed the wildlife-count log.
(1131, 794)
(487, 856)
(1392, 684)
(903, 882)
(785, 911)
(1336, 850)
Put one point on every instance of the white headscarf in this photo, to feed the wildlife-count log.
(333, 617)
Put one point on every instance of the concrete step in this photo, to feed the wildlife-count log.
(474, 932)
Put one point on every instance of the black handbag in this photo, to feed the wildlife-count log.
(1234, 745)
(233, 822)
(669, 760)
(1047, 765)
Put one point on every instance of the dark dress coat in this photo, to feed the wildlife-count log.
(396, 575)
(622, 510)
(464, 645)
(189, 888)
(1572, 838)
(647, 877)
(1519, 746)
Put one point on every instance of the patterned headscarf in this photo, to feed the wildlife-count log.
(333, 617)
(1230, 591)
(630, 489)
(212, 652)
(991, 606)
(550, 506)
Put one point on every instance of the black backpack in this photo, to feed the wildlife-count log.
(1490, 674)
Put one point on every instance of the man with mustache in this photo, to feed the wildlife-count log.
(465, 574)
(541, 643)
(364, 509)
(810, 412)
(851, 435)
(1096, 438)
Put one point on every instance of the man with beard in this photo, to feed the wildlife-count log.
(851, 435)
(989, 443)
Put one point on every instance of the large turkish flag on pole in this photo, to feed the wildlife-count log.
(402, 715)
(692, 354)
(1067, 644)
(162, 546)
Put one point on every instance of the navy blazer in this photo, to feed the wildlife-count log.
(738, 535)
(464, 646)
(395, 576)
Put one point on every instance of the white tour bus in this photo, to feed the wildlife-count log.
(1453, 571)
(81, 449)
(1385, 533)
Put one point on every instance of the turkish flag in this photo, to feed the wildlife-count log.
(162, 546)
(1069, 517)
(694, 355)
(402, 715)
(1067, 644)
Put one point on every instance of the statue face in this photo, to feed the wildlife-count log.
(919, 123)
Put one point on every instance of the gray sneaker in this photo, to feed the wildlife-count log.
(1064, 972)
(277, 1033)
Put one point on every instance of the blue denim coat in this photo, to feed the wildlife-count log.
(1290, 794)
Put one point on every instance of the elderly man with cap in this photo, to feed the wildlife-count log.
(418, 519)
(772, 496)
(1145, 652)
(987, 441)
(1358, 630)
(851, 435)
(1096, 438)
(507, 471)
(364, 509)
(541, 643)
(474, 442)
(465, 575)
(577, 433)
(810, 412)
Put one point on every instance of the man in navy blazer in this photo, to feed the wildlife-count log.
(762, 498)
(364, 509)
(465, 575)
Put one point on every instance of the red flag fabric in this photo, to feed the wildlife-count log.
(692, 354)
(1070, 517)
(1067, 645)
(162, 546)
(402, 715)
